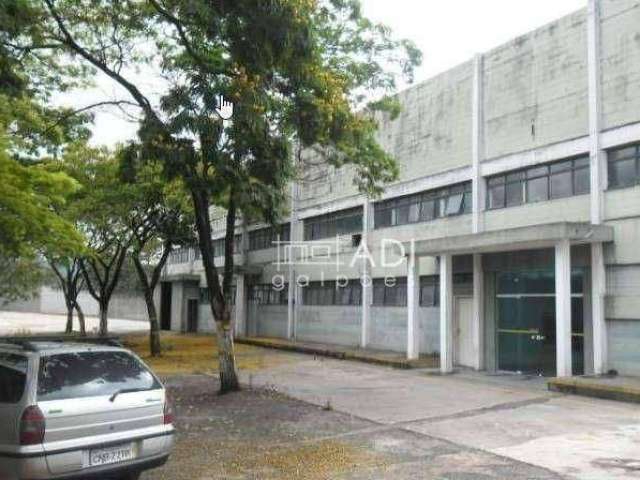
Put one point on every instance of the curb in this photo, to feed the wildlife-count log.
(333, 353)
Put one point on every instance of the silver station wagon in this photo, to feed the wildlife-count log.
(71, 411)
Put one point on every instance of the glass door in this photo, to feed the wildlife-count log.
(526, 326)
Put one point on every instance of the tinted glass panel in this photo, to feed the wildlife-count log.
(537, 189)
(561, 184)
(497, 197)
(91, 374)
(13, 376)
(582, 181)
(622, 173)
(514, 194)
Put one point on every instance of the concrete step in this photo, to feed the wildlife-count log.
(389, 359)
(623, 389)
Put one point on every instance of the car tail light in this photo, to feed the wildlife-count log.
(32, 426)
(169, 412)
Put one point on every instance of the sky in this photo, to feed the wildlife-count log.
(448, 32)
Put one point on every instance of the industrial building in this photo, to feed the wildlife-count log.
(510, 241)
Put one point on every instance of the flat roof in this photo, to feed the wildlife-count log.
(521, 238)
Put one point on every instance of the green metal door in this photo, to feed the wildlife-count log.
(526, 333)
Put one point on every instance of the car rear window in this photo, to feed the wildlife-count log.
(13, 377)
(91, 374)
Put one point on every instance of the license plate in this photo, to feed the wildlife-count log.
(107, 456)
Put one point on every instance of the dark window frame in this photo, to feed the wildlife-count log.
(331, 293)
(342, 222)
(265, 238)
(423, 207)
(266, 294)
(498, 185)
(611, 161)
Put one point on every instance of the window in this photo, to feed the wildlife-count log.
(13, 377)
(390, 292)
(266, 237)
(267, 294)
(561, 179)
(624, 167)
(332, 224)
(91, 374)
(332, 293)
(218, 245)
(430, 291)
(424, 206)
(205, 296)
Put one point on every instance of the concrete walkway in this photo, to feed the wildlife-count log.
(511, 416)
(19, 323)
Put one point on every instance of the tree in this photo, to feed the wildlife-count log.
(159, 219)
(68, 272)
(298, 71)
(100, 209)
(31, 193)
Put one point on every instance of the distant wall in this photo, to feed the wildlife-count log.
(51, 301)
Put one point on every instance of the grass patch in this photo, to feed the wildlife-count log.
(197, 354)
(312, 461)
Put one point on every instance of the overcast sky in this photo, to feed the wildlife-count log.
(448, 32)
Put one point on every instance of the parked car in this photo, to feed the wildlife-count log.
(71, 411)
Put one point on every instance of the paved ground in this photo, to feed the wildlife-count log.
(264, 435)
(509, 416)
(18, 323)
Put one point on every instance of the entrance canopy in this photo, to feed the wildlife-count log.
(522, 238)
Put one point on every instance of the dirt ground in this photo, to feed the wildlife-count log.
(197, 354)
(261, 434)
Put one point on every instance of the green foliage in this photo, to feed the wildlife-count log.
(28, 222)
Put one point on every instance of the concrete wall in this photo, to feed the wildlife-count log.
(620, 62)
(388, 329)
(51, 301)
(329, 324)
(624, 338)
(267, 320)
(536, 88)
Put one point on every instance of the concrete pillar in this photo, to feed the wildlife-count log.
(366, 281)
(446, 313)
(478, 312)
(477, 145)
(597, 155)
(295, 237)
(413, 304)
(563, 309)
(598, 291)
(241, 306)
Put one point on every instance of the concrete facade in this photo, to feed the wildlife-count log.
(569, 89)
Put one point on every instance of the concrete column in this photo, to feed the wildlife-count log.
(365, 281)
(478, 311)
(563, 309)
(446, 313)
(598, 291)
(413, 303)
(477, 145)
(241, 306)
(291, 260)
(598, 156)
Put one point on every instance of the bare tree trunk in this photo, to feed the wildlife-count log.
(104, 325)
(69, 328)
(81, 320)
(226, 356)
(154, 325)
